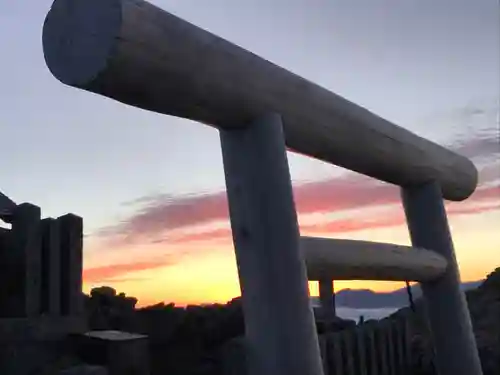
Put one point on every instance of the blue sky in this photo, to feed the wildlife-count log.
(429, 66)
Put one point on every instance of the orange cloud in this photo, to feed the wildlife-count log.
(486, 199)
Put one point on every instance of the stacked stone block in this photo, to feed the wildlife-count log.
(41, 296)
(41, 264)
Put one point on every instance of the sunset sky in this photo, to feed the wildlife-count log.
(151, 188)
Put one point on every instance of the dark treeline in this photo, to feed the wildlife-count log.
(200, 340)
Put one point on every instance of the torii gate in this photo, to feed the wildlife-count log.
(138, 54)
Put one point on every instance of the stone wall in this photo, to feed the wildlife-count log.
(41, 299)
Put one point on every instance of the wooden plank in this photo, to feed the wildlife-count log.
(400, 345)
(371, 349)
(389, 328)
(138, 54)
(328, 258)
(336, 365)
(406, 338)
(381, 345)
(360, 359)
(348, 351)
(323, 348)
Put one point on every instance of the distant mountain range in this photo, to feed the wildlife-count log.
(368, 299)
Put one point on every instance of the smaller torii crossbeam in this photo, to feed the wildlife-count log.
(136, 53)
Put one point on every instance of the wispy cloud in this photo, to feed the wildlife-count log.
(480, 147)
(162, 215)
(116, 272)
(173, 219)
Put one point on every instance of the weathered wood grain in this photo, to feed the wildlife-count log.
(336, 259)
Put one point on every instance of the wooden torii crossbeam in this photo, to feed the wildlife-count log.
(138, 54)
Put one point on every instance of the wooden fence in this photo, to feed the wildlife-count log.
(372, 348)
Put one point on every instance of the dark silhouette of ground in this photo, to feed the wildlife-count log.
(193, 340)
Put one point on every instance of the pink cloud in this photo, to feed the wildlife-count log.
(487, 198)
(110, 272)
(161, 216)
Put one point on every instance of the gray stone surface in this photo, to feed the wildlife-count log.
(71, 247)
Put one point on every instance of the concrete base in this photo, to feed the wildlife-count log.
(120, 352)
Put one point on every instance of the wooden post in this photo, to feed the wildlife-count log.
(51, 267)
(279, 321)
(446, 306)
(71, 237)
(326, 297)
